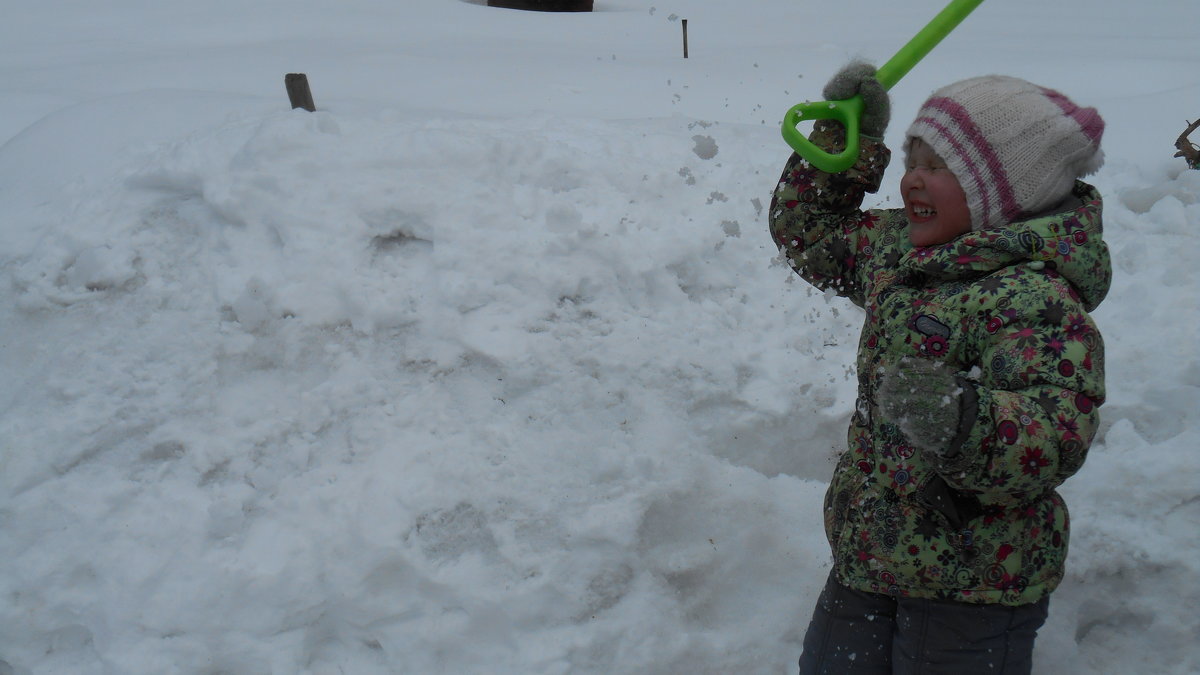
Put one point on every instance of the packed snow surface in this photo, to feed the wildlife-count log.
(489, 365)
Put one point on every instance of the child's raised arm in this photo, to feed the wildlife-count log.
(815, 217)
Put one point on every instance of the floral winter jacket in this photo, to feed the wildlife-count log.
(1006, 307)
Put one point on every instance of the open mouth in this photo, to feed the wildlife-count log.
(920, 213)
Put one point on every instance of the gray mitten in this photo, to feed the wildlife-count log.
(926, 400)
(858, 77)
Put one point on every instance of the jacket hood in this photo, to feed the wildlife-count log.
(1069, 241)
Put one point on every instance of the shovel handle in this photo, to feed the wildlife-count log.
(924, 41)
(849, 111)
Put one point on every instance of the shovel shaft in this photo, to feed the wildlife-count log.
(848, 112)
(924, 42)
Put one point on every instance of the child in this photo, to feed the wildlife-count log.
(979, 370)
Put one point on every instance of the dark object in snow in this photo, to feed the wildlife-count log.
(298, 91)
(545, 5)
(1188, 150)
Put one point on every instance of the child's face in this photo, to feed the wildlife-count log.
(933, 200)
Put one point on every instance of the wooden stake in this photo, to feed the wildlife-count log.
(298, 91)
(685, 55)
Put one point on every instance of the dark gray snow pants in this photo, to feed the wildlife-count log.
(857, 633)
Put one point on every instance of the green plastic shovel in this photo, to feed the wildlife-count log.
(850, 110)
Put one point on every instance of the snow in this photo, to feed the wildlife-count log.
(489, 365)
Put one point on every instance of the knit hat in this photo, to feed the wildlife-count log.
(1016, 148)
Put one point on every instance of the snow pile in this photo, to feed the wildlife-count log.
(418, 395)
(381, 390)
(1135, 503)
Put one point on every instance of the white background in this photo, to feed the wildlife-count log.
(489, 365)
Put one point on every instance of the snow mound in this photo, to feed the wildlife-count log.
(318, 390)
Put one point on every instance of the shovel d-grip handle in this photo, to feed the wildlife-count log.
(849, 111)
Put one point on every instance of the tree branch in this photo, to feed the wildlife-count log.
(1187, 149)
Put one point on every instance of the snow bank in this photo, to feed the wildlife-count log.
(379, 389)
(310, 390)
(1131, 586)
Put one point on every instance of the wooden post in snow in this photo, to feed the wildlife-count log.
(685, 38)
(298, 91)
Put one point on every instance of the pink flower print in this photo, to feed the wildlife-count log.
(863, 245)
(1077, 327)
(1033, 461)
(1024, 337)
(869, 220)
(1068, 426)
(1053, 345)
(934, 345)
(1032, 426)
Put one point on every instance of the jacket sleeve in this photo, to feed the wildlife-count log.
(815, 218)
(1035, 411)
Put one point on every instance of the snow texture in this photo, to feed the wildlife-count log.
(489, 365)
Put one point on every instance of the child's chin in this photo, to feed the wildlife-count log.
(923, 239)
(918, 237)
(933, 232)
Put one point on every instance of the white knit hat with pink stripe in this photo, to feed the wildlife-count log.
(1015, 148)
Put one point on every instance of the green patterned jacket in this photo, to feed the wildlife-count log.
(1007, 307)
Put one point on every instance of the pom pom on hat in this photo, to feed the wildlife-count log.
(1016, 148)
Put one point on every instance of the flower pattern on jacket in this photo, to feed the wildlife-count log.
(1008, 308)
